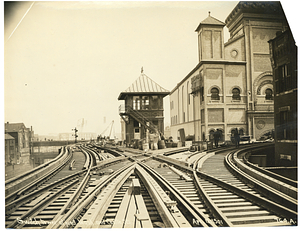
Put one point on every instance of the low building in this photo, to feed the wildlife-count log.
(22, 136)
(10, 150)
(283, 52)
(81, 136)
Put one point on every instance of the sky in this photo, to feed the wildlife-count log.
(67, 62)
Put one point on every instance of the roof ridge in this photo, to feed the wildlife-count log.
(145, 84)
(154, 82)
(217, 19)
(210, 21)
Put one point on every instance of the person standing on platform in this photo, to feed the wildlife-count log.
(217, 136)
(211, 140)
(237, 138)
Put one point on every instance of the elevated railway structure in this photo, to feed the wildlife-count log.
(94, 186)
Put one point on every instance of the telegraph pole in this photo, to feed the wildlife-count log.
(75, 130)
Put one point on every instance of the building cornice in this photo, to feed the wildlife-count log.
(262, 8)
(225, 62)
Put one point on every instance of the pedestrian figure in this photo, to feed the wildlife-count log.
(217, 136)
(211, 140)
(237, 138)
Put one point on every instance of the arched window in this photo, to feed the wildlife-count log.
(241, 132)
(236, 94)
(214, 94)
(232, 132)
(269, 94)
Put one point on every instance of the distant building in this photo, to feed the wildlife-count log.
(23, 137)
(232, 85)
(10, 150)
(143, 109)
(81, 136)
(283, 52)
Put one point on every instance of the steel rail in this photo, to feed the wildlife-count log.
(16, 178)
(87, 199)
(280, 210)
(269, 173)
(175, 151)
(164, 212)
(82, 184)
(91, 149)
(182, 199)
(213, 208)
(92, 155)
(39, 206)
(103, 200)
(216, 212)
(110, 150)
(288, 204)
(267, 204)
(287, 189)
(11, 207)
(34, 184)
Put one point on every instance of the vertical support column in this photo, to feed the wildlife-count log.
(249, 60)
(224, 101)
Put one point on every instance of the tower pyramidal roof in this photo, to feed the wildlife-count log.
(210, 21)
(143, 85)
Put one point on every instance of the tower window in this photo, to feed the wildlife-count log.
(202, 93)
(236, 94)
(145, 102)
(269, 94)
(136, 103)
(215, 94)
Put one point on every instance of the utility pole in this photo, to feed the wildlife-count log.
(75, 130)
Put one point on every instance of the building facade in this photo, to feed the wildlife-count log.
(232, 85)
(22, 137)
(143, 109)
(283, 52)
(81, 136)
(10, 149)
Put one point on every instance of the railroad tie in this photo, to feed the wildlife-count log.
(171, 215)
(93, 217)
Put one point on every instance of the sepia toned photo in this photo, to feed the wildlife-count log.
(150, 114)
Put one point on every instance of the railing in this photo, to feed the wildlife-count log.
(138, 117)
(122, 109)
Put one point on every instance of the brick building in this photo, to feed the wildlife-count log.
(232, 85)
(284, 62)
(22, 137)
(10, 149)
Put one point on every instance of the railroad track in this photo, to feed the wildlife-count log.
(231, 201)
(28, 181)
(44, 204)
(120, 189)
